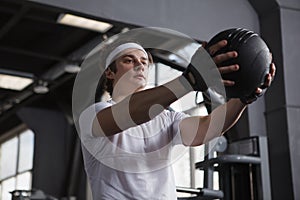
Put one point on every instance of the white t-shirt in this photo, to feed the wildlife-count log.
(133, 164)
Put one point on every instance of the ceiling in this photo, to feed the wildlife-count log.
(34, 45)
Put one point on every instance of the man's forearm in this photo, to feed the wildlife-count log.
(223, 118)
(198, 130)
(234, 110)
(139, 107)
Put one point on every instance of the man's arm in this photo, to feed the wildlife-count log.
(138, 108)
(201, 129)
(142, 106)
(197, 130)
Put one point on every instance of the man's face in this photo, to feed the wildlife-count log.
(132, 70)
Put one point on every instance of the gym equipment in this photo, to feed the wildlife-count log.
(201, 193)
(30, 195)
(243, 169)
(208, 193)
(253, 58)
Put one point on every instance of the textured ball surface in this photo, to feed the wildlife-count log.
(253, 58)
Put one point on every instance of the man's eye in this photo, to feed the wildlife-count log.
(128, 61)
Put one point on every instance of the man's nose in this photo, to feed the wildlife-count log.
(139, 66)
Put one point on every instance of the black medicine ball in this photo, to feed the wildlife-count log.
(253, 58)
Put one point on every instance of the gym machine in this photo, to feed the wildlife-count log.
(243, 168)
(30, 195)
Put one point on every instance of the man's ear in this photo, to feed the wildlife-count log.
(109, 74)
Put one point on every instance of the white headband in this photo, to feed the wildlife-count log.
(115, 53)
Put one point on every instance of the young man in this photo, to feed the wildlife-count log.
(127, 141)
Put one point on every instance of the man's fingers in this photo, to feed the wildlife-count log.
(203, 44)
(225, 56)
(228, 82)
(272, 70)
(268, 80)
(258, 90)
(216, 47)
(270, 76)
(228, 69)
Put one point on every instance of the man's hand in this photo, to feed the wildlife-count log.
(261, 90)
(218, 59)
(200, 73)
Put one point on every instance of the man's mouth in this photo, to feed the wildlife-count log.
(141, 76)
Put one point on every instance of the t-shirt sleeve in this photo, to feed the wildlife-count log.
(87, 117)
(176, 118)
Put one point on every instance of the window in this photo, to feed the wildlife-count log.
(184, 165)
(16, 162)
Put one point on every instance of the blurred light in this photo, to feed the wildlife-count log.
(14, 82)
(124, 30)
(41, 88)
(72, 68)
(82, 22)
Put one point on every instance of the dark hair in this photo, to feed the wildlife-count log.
(106, 85)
